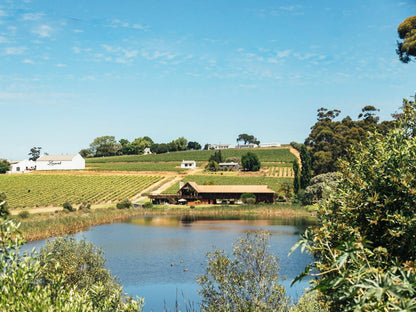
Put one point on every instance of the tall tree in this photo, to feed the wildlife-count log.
(194, 146)
(247, 138)
(105, 146)
(217, 157)
(34, 153)
(406, 49)
(250, 162)
(296, 178)
(306, 174)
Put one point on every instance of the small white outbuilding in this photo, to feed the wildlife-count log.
(22, 166)
(60, 162)
(188, 164)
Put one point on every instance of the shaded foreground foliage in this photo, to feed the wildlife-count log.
(73, 280)
(364, 248)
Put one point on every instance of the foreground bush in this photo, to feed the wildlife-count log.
(124, 204)
(365, 247)
(23, 286)
(247, 282)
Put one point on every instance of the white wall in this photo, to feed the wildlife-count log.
(76, 163)
(23, 165)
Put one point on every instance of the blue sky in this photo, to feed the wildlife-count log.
(74, 70)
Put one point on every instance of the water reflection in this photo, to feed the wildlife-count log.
(141, 251)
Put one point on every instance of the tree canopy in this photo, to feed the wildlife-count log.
(4, 166)
(406, 49)
(34, 153)
(105, 146)
(329, 139)
(247, 138)
(250, 162)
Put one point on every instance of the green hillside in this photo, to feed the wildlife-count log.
(264, 154)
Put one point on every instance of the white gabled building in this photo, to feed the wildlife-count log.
(188, 164)
(60, 162)
(22, 166)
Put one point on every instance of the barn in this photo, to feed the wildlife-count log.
(193, 193)
(60, 162)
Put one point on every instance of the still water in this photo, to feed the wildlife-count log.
(141, 251)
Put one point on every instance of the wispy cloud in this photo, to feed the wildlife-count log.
(28, 61)
(121, 55)
(60, 65)
(15, 50)
(43, 31)
(32, 16)
(116, 23)
(3, 39)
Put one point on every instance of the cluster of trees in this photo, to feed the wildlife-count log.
(109, 146)
(330, 139)
(249, 161)
(364, 246)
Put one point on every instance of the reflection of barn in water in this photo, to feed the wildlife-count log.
(192, 193)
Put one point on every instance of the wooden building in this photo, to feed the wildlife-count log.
(215, 194)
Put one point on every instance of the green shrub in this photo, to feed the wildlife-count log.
(250, 162)
(32, 285)
(24, 214)
(125, 203)
(84, 205)
(212, 165)
(247, 282)
(248, 198)
(67, 206)
(148, 205)
(4, 211)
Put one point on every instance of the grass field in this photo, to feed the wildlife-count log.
(137, 166)
(32, 190)
(264, 154)
(273, 183)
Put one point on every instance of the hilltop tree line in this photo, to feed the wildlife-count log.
(330, 139)
(109, 146)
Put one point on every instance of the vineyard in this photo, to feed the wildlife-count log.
(38, 190)
(271, 182)
(264, 154)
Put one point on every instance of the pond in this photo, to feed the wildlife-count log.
(141, 251)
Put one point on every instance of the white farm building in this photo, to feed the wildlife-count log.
(60, 162)
(188, 164)
(22, 165)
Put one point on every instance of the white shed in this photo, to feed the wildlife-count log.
(22, 166)
(188, 164)
(60, 162)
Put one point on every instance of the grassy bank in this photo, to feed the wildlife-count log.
(40, 226)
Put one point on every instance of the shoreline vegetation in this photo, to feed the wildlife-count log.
(39, 226)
